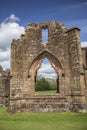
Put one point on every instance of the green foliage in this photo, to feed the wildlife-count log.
(42, 121)
(42, 85)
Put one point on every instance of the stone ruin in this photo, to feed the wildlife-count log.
(63, 49)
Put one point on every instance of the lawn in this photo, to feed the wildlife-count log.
(46, 92)
(42, 121)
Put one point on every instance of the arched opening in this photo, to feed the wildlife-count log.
(36, 65)
(46, 79)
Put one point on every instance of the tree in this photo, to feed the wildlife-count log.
(42, 85)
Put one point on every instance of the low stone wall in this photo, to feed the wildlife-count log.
(39, 103)
(43, 103)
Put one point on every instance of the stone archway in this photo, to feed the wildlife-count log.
(36, 64)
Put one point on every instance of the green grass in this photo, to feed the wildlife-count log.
(42, 121)
(46, 92)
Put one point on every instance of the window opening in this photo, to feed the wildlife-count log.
(44, 35)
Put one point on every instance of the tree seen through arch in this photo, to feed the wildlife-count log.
(46, 78)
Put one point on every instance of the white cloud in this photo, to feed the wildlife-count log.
(46, 67)
(4, 55)
(47, 71)
(5, 64)
(9, 29)
(84, 44)
(11, 18)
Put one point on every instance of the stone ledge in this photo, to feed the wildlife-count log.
(40, 97)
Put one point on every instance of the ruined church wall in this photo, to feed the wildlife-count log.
(64, 52)
(29, 46)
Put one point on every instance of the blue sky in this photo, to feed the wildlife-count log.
(69, 12)
(16, 14)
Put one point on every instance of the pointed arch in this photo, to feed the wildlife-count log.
(36, 63)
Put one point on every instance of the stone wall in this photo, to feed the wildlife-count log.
(84, 55)
(4, 87)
